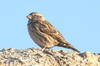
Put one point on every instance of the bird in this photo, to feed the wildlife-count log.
(45, 34)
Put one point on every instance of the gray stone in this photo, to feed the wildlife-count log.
(52, 57)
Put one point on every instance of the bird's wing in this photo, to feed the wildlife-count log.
(47, 28)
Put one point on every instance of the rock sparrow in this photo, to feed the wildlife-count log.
(44, 34)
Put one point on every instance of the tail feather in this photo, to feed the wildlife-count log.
(67, 45)
(73, 48)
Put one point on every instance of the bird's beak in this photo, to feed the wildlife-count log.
(29, 16)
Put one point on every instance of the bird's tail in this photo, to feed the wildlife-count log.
(67, 45)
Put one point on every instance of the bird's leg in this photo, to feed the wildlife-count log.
(44, 48)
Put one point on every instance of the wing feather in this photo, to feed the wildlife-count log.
(47, 28)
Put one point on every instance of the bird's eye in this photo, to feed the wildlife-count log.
(34, 15)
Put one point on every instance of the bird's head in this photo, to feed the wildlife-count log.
(35, 16)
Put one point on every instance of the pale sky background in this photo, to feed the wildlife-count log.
(77, 20)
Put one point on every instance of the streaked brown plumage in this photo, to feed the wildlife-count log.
(44, 34)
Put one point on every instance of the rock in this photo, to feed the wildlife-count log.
(49, 57)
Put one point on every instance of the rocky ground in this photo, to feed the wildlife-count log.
(51, 57)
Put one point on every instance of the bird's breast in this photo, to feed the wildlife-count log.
(43, 40)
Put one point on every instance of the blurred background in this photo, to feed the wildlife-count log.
(77, 20)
